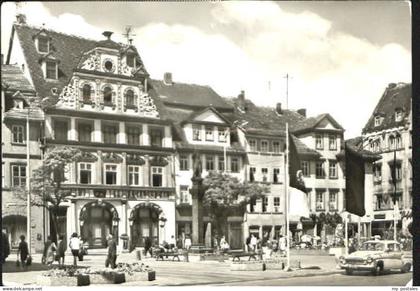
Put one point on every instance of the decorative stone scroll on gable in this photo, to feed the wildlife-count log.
(135, 159)
(68, 95)
(111, 158)
(147, 106)
(88, 157)
(159, 161)
(92, 63)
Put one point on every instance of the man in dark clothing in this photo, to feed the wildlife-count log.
(112, 253)
(5, 251)
(23, 251)
(147, 246)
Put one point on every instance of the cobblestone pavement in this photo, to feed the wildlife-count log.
(169, 273)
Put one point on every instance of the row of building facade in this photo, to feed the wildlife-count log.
(138, 136)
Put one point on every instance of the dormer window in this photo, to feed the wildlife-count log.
(131, 60)
(398, 115)
(51, 70)
(378, 120)
(86, 93)
(43, 44)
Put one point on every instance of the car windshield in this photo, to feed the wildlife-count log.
(372, 246)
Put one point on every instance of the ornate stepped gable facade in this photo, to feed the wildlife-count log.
(389, 130)
(98, 99)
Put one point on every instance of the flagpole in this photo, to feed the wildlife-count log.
(287, 199)
(395, 200)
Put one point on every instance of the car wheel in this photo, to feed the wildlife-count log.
(377, 270)
(349, 272)
(406, 268)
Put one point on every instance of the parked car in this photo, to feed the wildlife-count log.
(376, 256)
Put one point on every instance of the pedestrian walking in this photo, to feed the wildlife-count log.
(224, 246)
(74, 245)
(5, 249)
(282, 245)
(179, 243)
(61, 250)
(248, 244)
(147, 246)
(253, 243)
(187, 242)
(47, 244)
(23, 253)
(112, 253)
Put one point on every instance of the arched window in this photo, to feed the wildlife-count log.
(398, 142)
(86, 92)
(129, 98)
(391, 142)
(107, 95)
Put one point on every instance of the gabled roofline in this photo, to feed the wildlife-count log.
(211, 108)
(9, 51)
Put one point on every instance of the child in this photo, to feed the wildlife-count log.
(61, 249)
(23, 251)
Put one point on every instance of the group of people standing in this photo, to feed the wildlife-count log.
(253, 243)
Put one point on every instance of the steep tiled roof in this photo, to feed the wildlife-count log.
(396, 96)
(309, 124)
(262, 120)
(189, 95)
(16, 113)
(303, 150)
(66, 48)
(12, 78)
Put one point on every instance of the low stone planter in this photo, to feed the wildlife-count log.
(141, 276)
(100, 279)
(247, 266)
(274, 265)
(79, 280)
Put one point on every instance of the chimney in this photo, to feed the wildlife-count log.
(167, 78)
(107, 34)
(302, 112)
(21, 18)
(278, 108)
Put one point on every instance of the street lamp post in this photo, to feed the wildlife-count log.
(28, 183)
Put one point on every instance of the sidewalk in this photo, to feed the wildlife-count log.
(170, 273)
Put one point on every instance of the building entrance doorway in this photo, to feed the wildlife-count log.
(97, 221)
(145, 224)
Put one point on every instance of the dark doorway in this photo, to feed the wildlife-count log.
(145, 224)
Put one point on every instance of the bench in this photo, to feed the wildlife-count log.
(164, 255)
(238, 256)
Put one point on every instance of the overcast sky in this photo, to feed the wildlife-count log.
(340, 55)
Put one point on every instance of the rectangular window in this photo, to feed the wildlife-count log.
(51, 70)
(320, 172)
(276, 147)
(130, 60)
(196, 132)
(252, 171)
(85, 132)
(110, 133)
(134, 175)
(264, 146)
(183, 163)
(332, 142)
(234, 165)
(333, 201)
(184, 194)
(209, 133)
(333, 169)
(221, 163)
(43, 46)
(252, 145)
(157, 176)
(264, 172)
(18, 134)
(276, 204)
(398, 115)
(156, 136)
(305, 168)
(18, 175)
(209, 163)
(111, 174)
(222, 134)
(264, 204)
(319, 142)
(60, 130)
(319, 200)
(276, 175)
(133, 135)
(377, 172)
(85, 172)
